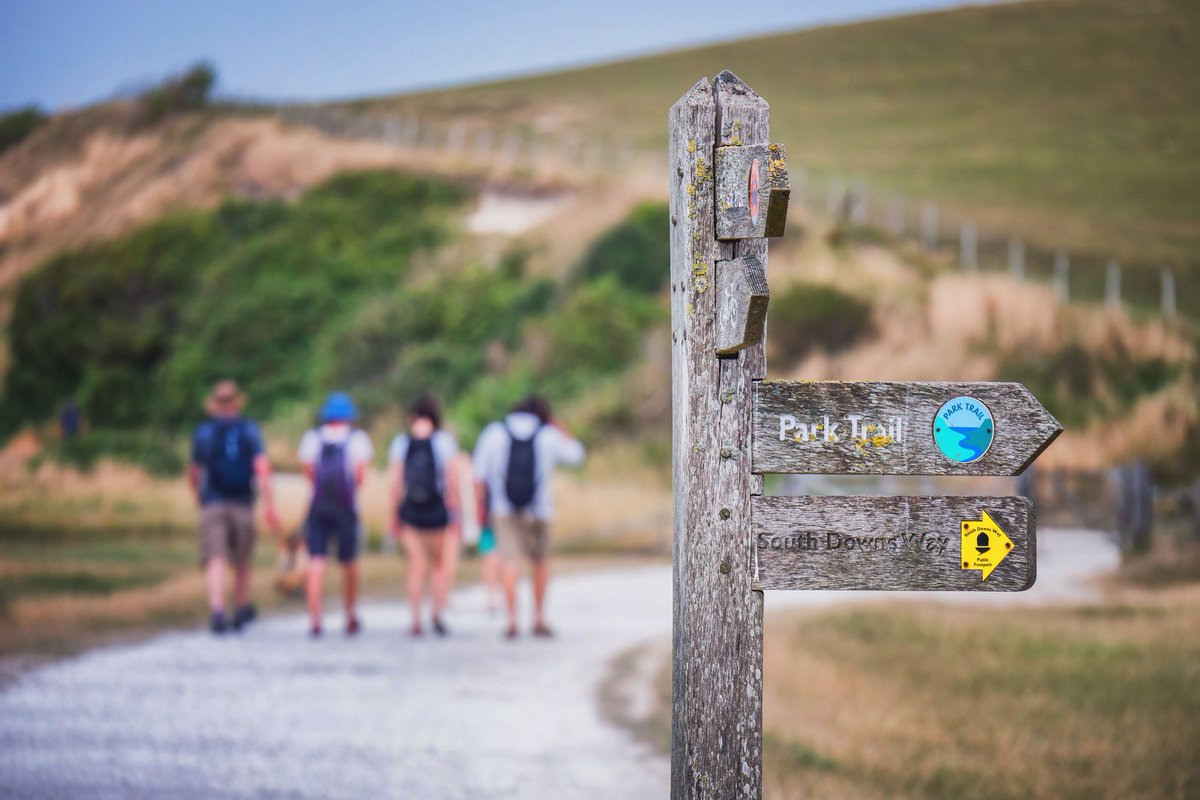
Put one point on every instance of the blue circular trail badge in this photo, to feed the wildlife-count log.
(963, 429)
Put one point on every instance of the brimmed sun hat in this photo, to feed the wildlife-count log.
(225, 398)
(338, 408)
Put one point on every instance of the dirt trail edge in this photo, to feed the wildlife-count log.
(272, 714)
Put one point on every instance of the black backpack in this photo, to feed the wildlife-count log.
(420, 475)
(229, 467)
(520, 482)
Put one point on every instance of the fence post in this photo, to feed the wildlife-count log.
(1062, 278)
(1016, 259)
(1168, 294)
(1112, 285)
(716, 735)
(1135, 506)
(896, 215)
(860, 211)
(929, 226)
(968, 254)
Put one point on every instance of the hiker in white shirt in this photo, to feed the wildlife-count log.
(514, 462)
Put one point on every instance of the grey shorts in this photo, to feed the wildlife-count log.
(227, 531)
(520, 535)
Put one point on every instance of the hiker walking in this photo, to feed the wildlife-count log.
(227, 466)
(335, 457)
(424, 492)
(515, 461)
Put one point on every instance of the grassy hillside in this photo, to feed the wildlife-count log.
(1073, 122)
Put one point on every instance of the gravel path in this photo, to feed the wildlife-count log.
(273, 714)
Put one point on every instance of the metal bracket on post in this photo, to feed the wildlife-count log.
(753, 190)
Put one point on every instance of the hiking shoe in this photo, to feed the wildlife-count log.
(217, 623)
(510, 632)
(244, 616)
(352, 626)
(542, 630)
(439, 627)
(314, 632)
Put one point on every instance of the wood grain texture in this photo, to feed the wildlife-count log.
(892, 543)
(742, 296)
(733, 166)
(1023, 428)
(717, 673)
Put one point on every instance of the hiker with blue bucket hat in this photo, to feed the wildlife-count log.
(335, 456)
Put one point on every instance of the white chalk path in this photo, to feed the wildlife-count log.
(271, 714)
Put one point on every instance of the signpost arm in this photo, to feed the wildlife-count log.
(716, 747)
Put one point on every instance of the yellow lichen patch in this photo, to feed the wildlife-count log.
(691, 145)
(703, 172)
(735, 138)
(701, 284)
(873, 436)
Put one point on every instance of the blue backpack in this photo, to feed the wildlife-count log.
(229, 468)
(333, 492)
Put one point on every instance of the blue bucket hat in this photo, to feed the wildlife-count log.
(338, 408)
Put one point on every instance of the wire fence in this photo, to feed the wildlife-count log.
(1165, 290)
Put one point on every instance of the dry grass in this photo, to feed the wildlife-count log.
(946, 702)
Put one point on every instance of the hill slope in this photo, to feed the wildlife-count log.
(1073, 122)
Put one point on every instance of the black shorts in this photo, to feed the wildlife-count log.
(340, 528)
(430, 518)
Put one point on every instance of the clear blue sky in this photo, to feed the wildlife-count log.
(59, 53)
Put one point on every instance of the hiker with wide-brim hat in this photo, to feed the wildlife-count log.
(335, 455)
(228, 469)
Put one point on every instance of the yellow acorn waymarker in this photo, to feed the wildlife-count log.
(984, 545)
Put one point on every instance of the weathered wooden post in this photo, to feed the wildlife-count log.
(968, 254)
(1062, 278)
(929, 226)
(1016, 259)
(1112, 285)
(729, 190)
(1168, 294)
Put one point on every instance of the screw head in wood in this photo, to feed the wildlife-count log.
(726, 452)
(725, 513)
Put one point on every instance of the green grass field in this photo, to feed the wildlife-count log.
(1075, 123)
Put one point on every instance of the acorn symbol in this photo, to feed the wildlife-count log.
(982, 544)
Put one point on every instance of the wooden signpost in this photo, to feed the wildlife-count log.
(729, 190)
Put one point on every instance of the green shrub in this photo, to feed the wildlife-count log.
(139, 327)
(636, 252)
(808, 316)
(185, 92)
(154, 452)
(16, 125)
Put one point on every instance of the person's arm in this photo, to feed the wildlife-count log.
(194, 473)
(262, 471)
(480, 466)
(397, 494)
(363, 458)
(568, 450)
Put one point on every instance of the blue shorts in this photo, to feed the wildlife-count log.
(487, 540)
(343, 529)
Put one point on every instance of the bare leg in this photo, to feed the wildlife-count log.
(435, 544)
(491, 579)
(214, 579)
(350, 588)
(241, 584)
(416, 575)
(509, 573)
(316, 581)
(541, 577)
(451, 546)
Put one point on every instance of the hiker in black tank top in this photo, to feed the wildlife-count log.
(424, 493)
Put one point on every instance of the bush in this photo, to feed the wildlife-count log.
(809, 316)
(138, 328)
(16, 125)
(185, 92)
(155, 453)
(636, 252)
